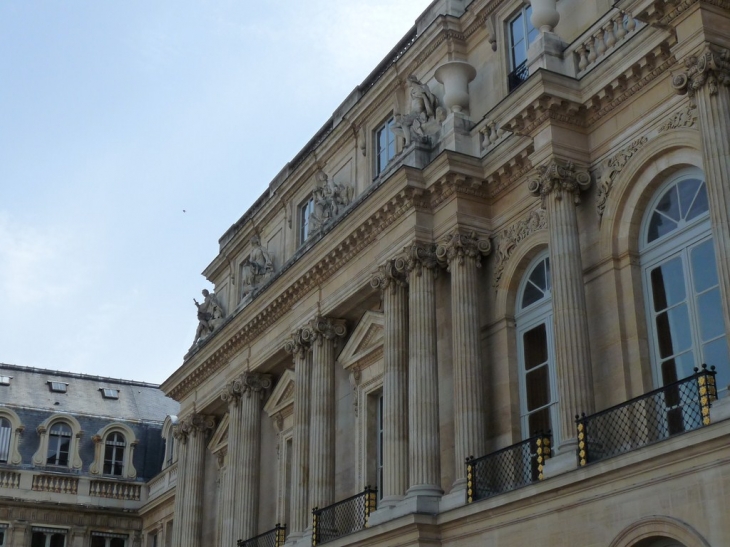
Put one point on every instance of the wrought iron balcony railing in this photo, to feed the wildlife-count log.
(344, 517)
(272, 538)
(670, 410)
(507, 469)
(517, 76)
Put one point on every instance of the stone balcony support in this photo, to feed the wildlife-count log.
(461, 253)
(191, 434)
(240, 491)
(298, 346)
(323, 332)
(395, 382)
(707, 81)
(559, 185)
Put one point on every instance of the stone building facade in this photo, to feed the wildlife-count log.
(76, 453)
(520, 217)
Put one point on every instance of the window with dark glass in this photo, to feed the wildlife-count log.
(6, 431)
(47, 537)
(103, 539)
(114, 446)
(305, 216)
(59, 444)
(521, 35)
(385, 146)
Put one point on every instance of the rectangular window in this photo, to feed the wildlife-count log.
(5, 433)
(57, 387)
(305, 216)
(109, 393)
(521, 35)
(3, 531)
(5, 381)
(48, 537)
(104, 539)
(384, 145)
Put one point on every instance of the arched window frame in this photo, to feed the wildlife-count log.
(100, 442)
(170, 444)
(526, 319)
(676, 243)
(74, 458)
(16, 428)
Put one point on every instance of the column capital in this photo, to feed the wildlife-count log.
(246, 384)
(710, 67)
(387, 276)
(321, 328)
(460, 244)
(193, 425)
(298, 343)
(559, 177)
(415, 257)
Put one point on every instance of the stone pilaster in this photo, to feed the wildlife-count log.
(323, 332)
(191, 433)
(707, 81)
(395, 382)
(240, 491)
(559, 185)
(462, 254)
(424, 465)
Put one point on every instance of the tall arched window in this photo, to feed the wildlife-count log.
(534, 317)
(114, 446)
(6, 431)
(681, 285)
(59, 444)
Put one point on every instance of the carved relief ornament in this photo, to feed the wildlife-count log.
(710, 68)
(559, 178)
(457, 246)
(610, 169)
(509, 238)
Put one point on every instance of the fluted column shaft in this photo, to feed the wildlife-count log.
(395, 383)
(182, 480)
(300, 442)
(423, 397)
(322, 422)
(560, 185)
(229, 532)
(707, 81)
(462, 253)
(187, 526)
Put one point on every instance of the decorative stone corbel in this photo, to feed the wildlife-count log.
(491, 31)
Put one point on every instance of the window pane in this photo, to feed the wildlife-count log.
(715, 354)
(531, 295)
(38, 540)
(704, 268)
(700, 204)
(97, 541)
(687, 191)
(669, 204)
(667, 283)
(535, 346)
(5, 431)
(673, 331)
(58, 540)
(538, 388)
(517, 27)
(659, 227)
(116, 542)
(709, 308)
(539, 422)
(538, 275)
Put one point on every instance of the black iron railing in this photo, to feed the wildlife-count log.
(343, 517)
(507, 469)
(272, 538)
(517, 76)
(670, 410)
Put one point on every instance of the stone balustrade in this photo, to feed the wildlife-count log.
(58, 484)
(163, 482)
(9, 479)
(116, 490)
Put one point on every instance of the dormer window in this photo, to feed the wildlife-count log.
(58, 387)
(109, 393)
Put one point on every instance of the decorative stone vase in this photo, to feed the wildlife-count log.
(545, 16)
(456, 75)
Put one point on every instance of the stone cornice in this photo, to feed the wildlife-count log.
(710, 68)
(461, 244)
(559, 178)
(663, 13)
(546, 107)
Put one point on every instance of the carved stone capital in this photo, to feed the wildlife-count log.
(246, 384)
(711, 67)
(415, 257)
(298, 343)
(558, 178)
(193, 424)
(457, 246)
(387, 276)
(327, 328)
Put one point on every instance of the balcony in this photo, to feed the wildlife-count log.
(163, 482)
(273, 538)
(344, 517)
(507, 469)
(517, 76)
(653, 417)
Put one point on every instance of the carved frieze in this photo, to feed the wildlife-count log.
(509, 238)
(683, 118)
(610, 169)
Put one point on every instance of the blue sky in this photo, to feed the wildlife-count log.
(115, 116)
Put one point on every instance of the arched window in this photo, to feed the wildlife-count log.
(59, 444)
(681, 285)
(6, 431)
(534, 317)
(114, 446)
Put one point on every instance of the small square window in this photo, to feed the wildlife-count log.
(5, 381)
(58, 387)
(109, 393)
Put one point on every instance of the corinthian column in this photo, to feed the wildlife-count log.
(559, 185)
(241, 490)
(707, 81)
(192, 435)
(424, 465)
(323, 332)
(395, 382)
(298, 346)
(462, 253)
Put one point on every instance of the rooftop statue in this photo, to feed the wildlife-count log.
(257, 268)
(330, 199)
(210, 316)
(424, 117)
